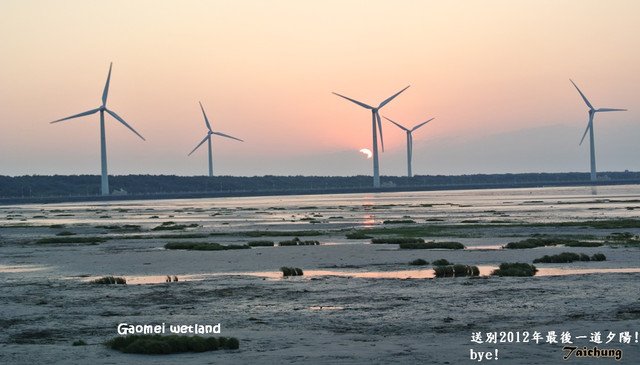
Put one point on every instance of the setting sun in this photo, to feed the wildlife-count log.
(367, 152)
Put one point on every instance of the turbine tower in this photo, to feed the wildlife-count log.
(103, 144)
(409, 141)
(375, 119)
(592, 114)
(207, 138)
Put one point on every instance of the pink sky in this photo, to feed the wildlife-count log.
(493, 73)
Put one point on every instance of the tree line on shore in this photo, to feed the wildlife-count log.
(31, 186)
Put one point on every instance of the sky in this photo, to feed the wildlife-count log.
(494, 74)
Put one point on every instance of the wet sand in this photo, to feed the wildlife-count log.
(358, 303)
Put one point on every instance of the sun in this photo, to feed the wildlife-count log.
(367, 152)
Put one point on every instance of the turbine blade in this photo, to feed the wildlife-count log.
(585, 133)
(106, 87)
(581, 94)
(399, 126)
(200, 144)
(113, 114)
(380, 130)
(355, 101)
(392, 97)
(421, 124)
(206, 120)
(610, 110)
(228, 136)
(78, 115)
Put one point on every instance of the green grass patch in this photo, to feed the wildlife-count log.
(260, 243)
(567, 257)
(583, 244)
(419, 262)
(515, 269)
(398, 221)
(172, 226)
(176, 236)
(109, 280)
(291, 271)
(441, 262)
(534, 242)
(358, 235)
(396, 240)
(65, 233)
(432, 245)
(203, 246)
(298, 242)
(624, 238)
(122, 228)
(66, 239)
(281, 233)
(427, 230)
(162, 345)
(597, 224)
(456, 271)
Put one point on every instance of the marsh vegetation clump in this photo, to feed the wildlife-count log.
(419, 262)
(67, 239)
(291, 271)
(515, 269)
(281, 233)
(162, 345)
(172, 226)
(534, 242)
(456, 271)
(357, 235)
(398, 221)
(298, 242)
(109, 280)
(79, 343)
(583, 244)
(564, 257)
(432, 245)
(623, 238)
(203, 246)
(441, 262)
(261, 243)
(396, 240)
(121, 228)
(65, 233)
(598, 257)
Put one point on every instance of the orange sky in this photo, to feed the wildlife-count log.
(265, 70)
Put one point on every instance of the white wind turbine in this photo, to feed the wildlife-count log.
(409, 141)
(592, 113)
(375, 119)
(207, 138)
(103, 144)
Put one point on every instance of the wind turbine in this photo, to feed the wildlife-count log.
(375, 119)
(207, 138)
(409, 141)
(592, 113)
(103, 144)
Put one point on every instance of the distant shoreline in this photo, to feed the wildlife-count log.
(323, 191)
